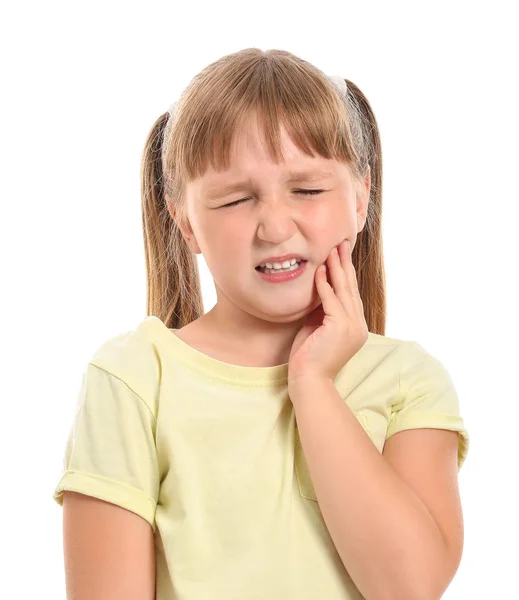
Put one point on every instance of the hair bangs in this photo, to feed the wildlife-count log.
(308, 108)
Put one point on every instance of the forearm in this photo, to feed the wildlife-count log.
(384, 534)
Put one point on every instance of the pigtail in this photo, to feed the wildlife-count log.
(367, 256)
(172, 276)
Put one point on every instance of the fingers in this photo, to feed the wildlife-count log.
(351, 276)
(339, 271)
(330, 300)
(344, 278)
(348, 268)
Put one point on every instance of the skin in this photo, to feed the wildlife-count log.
(258, 319)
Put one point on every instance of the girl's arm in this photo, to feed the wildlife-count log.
(387, 538)
(109, 551)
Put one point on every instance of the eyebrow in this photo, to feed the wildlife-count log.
(220, 191)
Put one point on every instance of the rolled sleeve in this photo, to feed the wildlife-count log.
(111, 452)
(428, 399)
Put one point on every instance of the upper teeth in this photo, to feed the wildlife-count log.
(283, 265)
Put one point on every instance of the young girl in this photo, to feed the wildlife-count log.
(280, 445)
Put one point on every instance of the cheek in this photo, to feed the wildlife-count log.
(329, 227)
(327, 222)
(229, 241)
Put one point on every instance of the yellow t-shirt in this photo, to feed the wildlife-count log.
(209, 454)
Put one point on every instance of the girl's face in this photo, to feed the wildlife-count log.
(273, 218)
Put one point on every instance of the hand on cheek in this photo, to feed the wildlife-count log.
(337, 329)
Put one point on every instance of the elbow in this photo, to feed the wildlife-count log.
(413, 588)
(418, 595)
(427, 582)
(422, 593)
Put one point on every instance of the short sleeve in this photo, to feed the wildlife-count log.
(428, 399)
(110, 452)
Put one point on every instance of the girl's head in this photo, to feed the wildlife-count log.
(225, 176)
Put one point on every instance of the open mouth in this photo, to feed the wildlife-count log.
(293, 267)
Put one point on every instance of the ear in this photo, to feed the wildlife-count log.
(185, 228)
(363, 200)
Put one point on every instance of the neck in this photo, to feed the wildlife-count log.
(265, 342)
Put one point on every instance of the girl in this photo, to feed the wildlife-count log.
(280, 445)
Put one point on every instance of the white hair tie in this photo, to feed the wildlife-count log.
(339, 83)
(172, 109)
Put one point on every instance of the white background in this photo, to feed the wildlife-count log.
(83, 84)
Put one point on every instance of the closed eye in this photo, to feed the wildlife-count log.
(305, 192)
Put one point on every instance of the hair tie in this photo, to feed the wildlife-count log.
(172, 109)
(339, 83)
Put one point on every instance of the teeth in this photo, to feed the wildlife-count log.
(283, 265)
(272, 271)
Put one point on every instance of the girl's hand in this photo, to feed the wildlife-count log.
(336, 330)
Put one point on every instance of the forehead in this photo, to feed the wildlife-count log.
(251, 160)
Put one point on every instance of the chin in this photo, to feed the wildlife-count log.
(288, 311)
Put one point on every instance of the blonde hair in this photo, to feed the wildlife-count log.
(277, 86)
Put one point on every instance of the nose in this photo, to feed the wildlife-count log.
(276, 223)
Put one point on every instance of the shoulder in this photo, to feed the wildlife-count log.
(411, 355)
(376, 339)
(414, 366)
(426, 386)
(420, 364)
(131, 356)
(390, 351)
